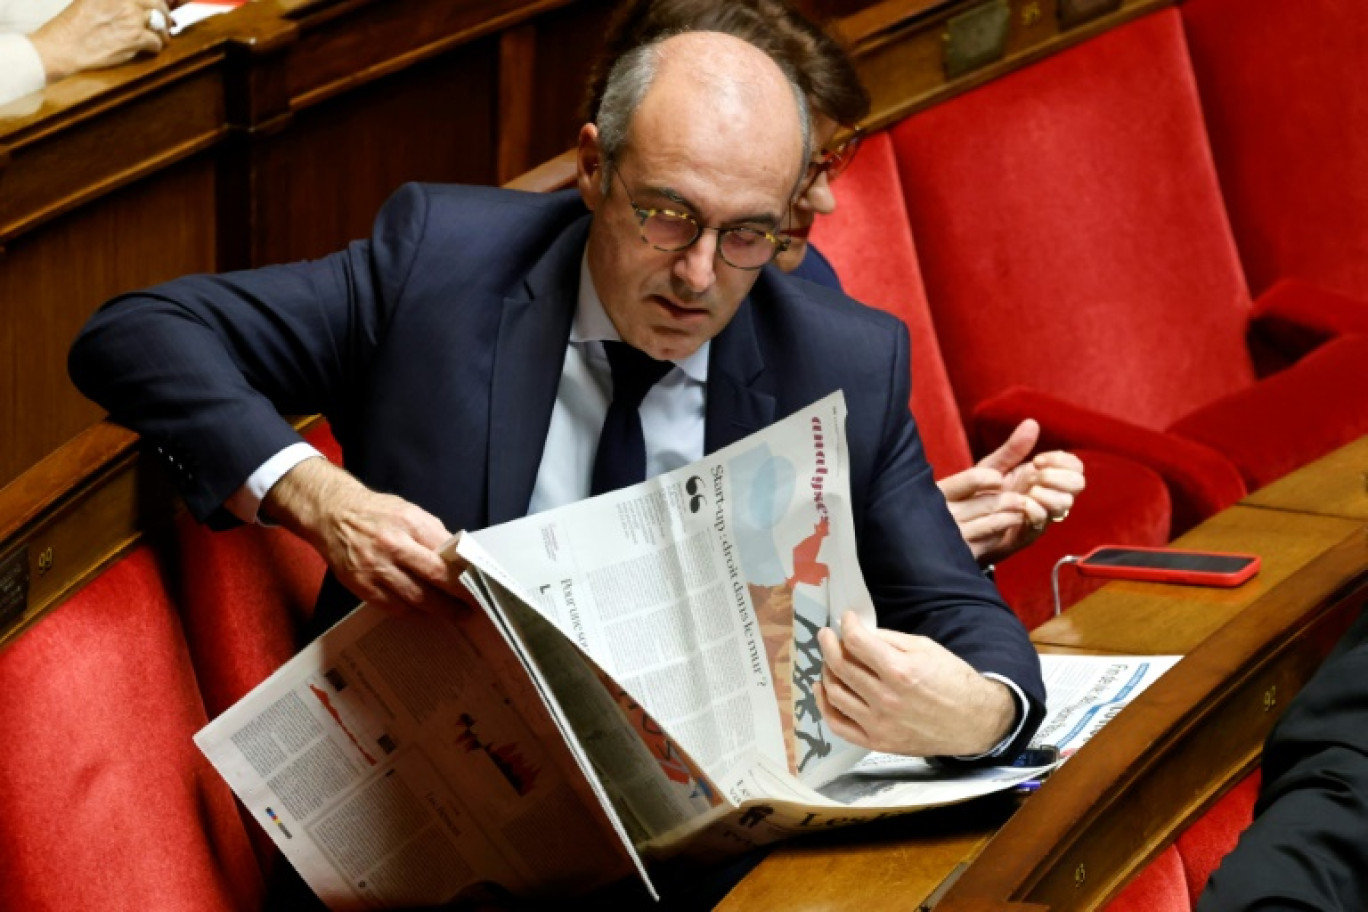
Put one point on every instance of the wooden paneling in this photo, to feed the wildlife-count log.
(320, 182)
(269, 134)
(566, 41)
(52, 278)
(899, 47)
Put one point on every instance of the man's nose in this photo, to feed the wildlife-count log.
(697, 267)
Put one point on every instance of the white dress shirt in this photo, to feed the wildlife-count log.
(671, 414)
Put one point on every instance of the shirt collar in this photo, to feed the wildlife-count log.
(593, 325)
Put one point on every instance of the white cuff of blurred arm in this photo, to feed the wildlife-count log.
(21, 69)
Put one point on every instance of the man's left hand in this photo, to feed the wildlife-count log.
(905, 694)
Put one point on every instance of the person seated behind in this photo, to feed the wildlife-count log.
(42, 41)
(460, 357)
(1307, 848)
(1001, 504)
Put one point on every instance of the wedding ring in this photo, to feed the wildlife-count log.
(1061, 517)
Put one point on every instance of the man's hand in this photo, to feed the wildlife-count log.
(382, 548)
(90, 34)
(1003, 503)
(905, 694)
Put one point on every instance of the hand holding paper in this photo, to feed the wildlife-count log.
(383, 548)
(905, 694)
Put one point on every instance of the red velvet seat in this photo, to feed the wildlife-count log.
(1214, 834)
(1160, 887)
(1080, 268)
(105, 803)
(869, 241)
(246, 597)
(1287, 111)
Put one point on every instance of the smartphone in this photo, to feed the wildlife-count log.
(1167, 565)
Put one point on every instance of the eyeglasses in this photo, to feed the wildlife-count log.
(835, 160)
(671, 231)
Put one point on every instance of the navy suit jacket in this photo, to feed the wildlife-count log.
(435, 350)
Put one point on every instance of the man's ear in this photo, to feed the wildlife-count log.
(589, 167)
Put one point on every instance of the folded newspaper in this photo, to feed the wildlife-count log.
(639, 685)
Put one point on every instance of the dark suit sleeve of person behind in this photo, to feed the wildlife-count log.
(920, 573)
(1307, 848)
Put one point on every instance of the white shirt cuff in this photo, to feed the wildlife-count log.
(1022, 707)
(245, 502)
(21, 69)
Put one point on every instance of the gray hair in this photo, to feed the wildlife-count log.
(629, 80)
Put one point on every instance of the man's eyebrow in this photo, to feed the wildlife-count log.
(768, 219)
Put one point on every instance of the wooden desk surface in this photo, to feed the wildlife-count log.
(1336, 485)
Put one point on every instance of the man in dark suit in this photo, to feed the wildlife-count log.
(1307, 848)
(462, 355)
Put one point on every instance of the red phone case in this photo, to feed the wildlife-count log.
(1191, 577)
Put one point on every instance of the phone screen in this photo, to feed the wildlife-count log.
(1169, 560)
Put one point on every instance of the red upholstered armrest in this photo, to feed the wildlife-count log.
(1201, 480)
(1294, 317)
(1297, 415)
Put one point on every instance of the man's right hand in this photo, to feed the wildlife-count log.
(382, 548)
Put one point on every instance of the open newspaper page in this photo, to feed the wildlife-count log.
(410, 761)
(641, 609)
(701, 591)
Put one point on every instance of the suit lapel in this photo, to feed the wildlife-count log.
(735, 408)
(529, 354)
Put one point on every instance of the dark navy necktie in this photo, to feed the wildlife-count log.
(621, 457)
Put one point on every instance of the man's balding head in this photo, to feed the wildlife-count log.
(703, 81)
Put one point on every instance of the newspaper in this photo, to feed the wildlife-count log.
(638, 684)
(1084, 693)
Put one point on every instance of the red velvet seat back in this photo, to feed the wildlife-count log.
(246, 597)
(870, 244)
(105, 803)
(1072, 234)
(1287, 109)
(868, 241)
